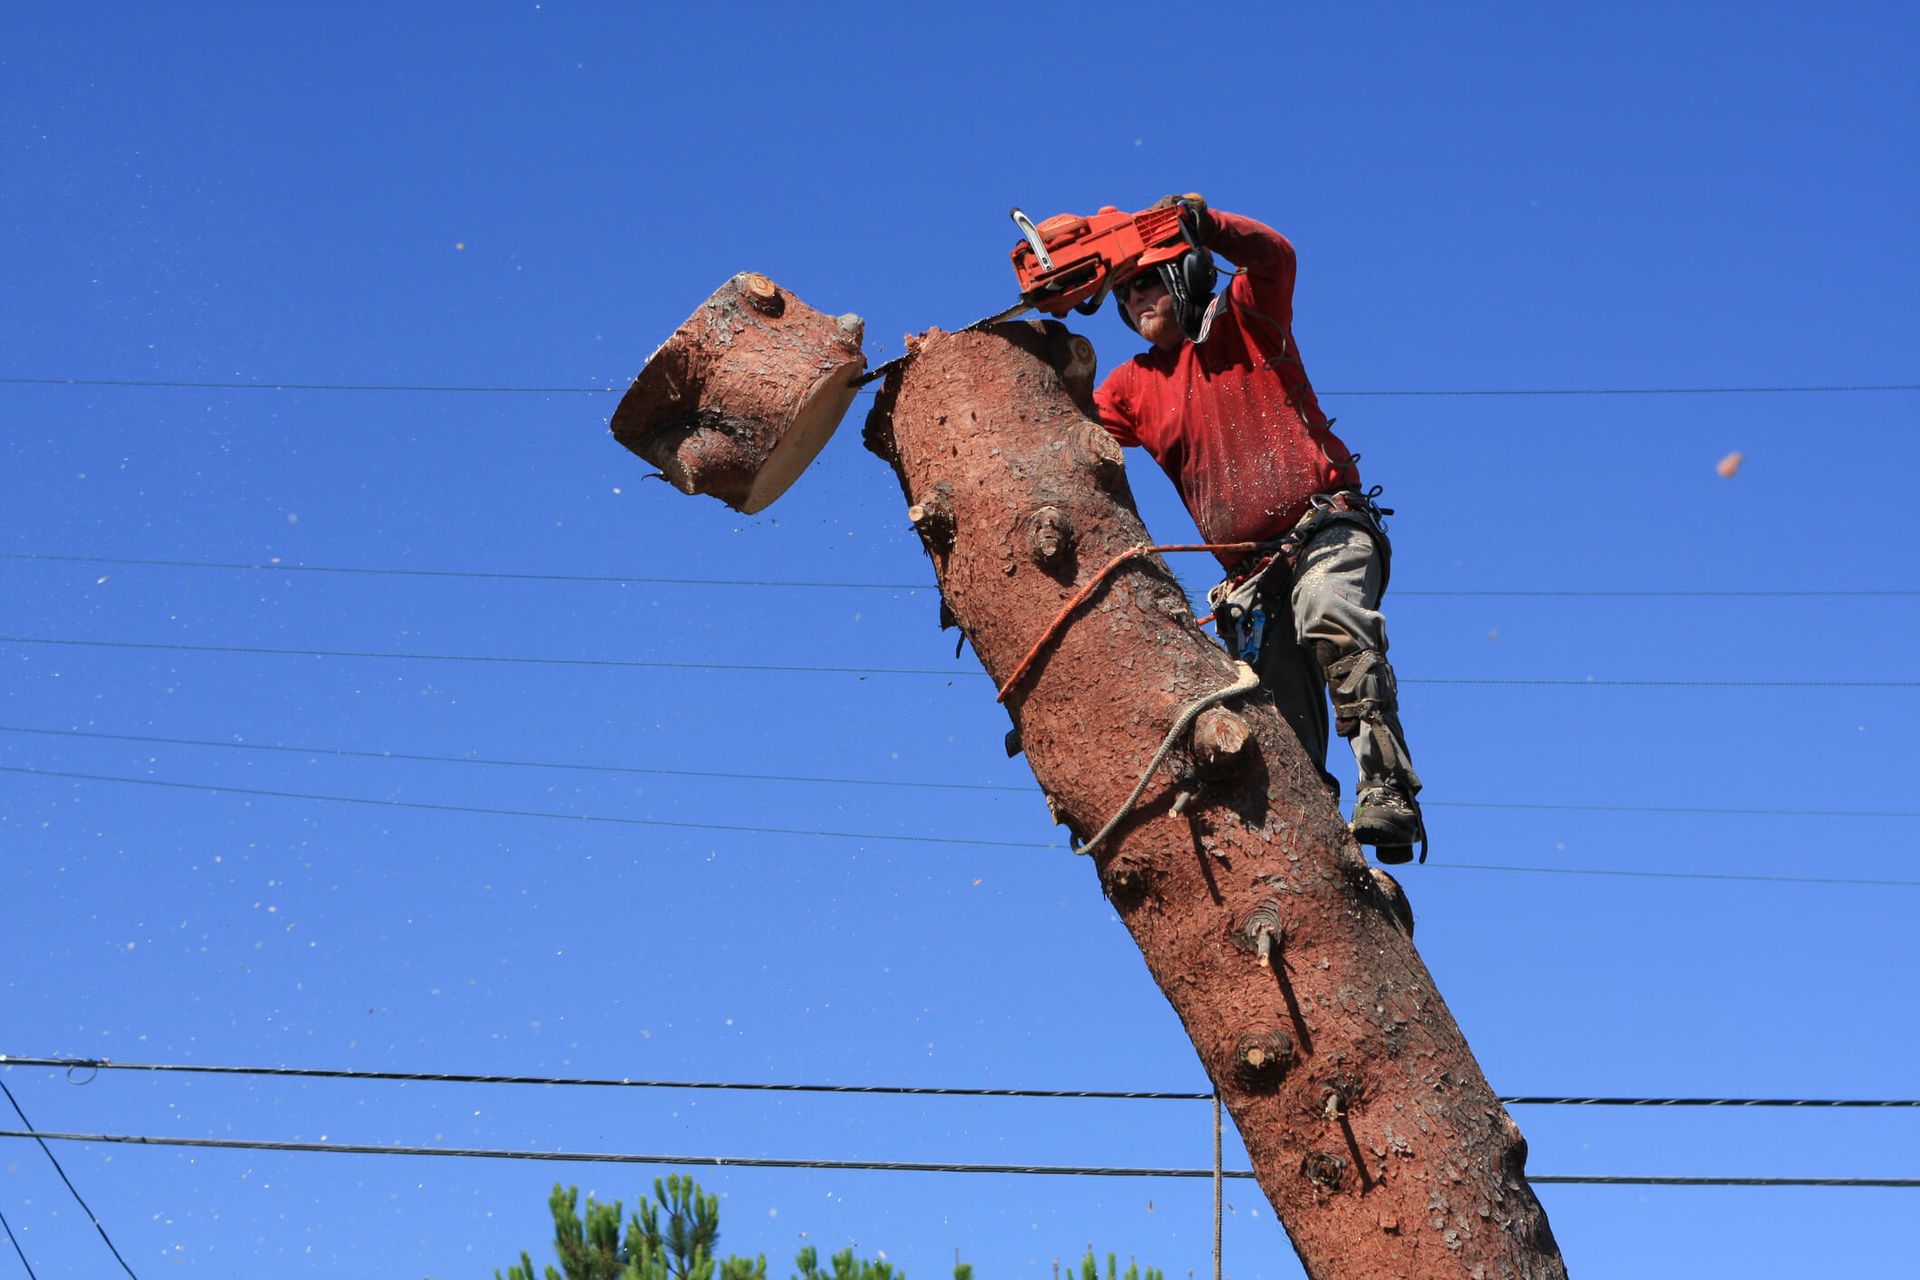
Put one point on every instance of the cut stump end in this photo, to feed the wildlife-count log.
(744, 394)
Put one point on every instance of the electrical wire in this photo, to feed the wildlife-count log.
(879, 1166)
(482, 575)
(1676, 875)
(532, 813)
(948, 672)
(176, 384)
(71, 1065)
(643, 663)
(16, 1247)
(221, 788)
(72, 1190)
(270, 566)
(419, 1077)
(179, 384)
(909, 784)
(644, 770)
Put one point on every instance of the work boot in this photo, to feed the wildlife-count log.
(1385, 818)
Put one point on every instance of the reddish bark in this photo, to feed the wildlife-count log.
(743, 395)
(1290, 962)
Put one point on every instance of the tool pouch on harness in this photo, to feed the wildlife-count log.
(1240, 603)
(1240, 613)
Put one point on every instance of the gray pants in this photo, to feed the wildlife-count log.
(1323, 620)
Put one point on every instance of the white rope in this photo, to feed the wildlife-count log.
(1248, 680)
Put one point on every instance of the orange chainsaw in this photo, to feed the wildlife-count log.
(1071, 263)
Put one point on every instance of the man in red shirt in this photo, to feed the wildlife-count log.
(1222, 402)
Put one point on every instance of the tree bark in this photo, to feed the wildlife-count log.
(744, 394)
(1290, 962)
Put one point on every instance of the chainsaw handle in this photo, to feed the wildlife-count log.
(1187, 224)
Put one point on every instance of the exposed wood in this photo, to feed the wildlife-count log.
(744, 394)
(1288, 959)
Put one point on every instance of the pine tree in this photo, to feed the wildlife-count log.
(590, 1247)
(680, 1245)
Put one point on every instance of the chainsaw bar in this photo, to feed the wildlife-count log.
(882, 370)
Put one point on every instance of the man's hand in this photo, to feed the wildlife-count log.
(1197, 207)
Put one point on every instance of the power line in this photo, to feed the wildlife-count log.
(1754, 390)
(71, 1189)
(533, 813)
(879, 1166)
(1641, 1180)
(16, 1247)
(421, 1077)
(947, 672)
(643, 663)
(646, 770)
(1736, 1103)
(274, 566)
(1676, 875)
(1462, 392)
(184, 385)
(924, 1091)
(909, 784)
(482, 575)
(1723, 810)
(223, 789)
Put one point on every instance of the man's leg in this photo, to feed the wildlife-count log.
(1336, 598)
(1288, 673)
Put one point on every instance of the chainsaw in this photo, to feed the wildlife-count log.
(1071, 263)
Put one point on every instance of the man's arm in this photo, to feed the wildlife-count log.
(1267, 257)
(1114, 415)
(1242, 241)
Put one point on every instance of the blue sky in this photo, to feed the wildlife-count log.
(1483, 196)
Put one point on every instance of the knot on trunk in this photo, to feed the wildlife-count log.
(1100, 454)
(762, 294)
(1393, 898)
(1050, 539)
(1220, 742)
(1261, 932)
(1125, 884)
(1324, 1169)
(1261, 1058)
(932, 518)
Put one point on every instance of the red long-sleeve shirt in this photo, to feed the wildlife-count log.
(1234, 421)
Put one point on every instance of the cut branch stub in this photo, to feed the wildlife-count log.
(1221, 740)
(744, 394)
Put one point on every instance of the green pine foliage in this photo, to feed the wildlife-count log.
(1090, 1269)
(673, 1237)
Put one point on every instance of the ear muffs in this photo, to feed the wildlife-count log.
(1196, 273)
(1191, 279)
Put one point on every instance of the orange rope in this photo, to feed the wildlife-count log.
(1099, 579)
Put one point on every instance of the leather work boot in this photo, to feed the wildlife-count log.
(1384, 818)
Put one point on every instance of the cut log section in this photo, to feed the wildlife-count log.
(1291, 964)
(744, 394)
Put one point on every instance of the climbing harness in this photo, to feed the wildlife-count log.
(1239, 602)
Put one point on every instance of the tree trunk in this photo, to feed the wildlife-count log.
(743, 395)
(1291, 964)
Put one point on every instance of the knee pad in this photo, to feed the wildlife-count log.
(1361, 686)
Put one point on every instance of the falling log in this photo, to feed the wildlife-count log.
(744, 394)
(1372, 1130)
